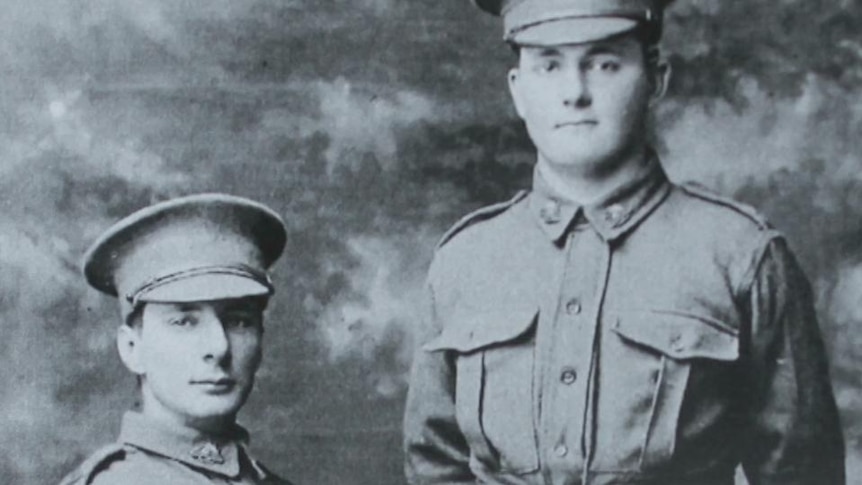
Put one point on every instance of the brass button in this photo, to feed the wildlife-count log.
(573, 307)
(568, 376)
(614, 213)
(561, 450)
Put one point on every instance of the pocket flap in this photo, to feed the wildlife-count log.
(679, 336)
(474, 331)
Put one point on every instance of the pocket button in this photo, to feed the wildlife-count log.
(561, 450)
(568, 376)
(573, 307)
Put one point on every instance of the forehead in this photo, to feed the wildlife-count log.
(621, 45)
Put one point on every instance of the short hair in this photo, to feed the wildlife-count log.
(135, 318)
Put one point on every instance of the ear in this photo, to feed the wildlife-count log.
(129, 347)
(660, 78)
(515, 91)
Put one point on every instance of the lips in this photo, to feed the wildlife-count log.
(216, 385)
(576, 123)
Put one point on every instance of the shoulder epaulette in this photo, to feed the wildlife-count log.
(701, 192)
(98, 461)
(479, 215)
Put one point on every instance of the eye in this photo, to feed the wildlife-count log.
(548, 65)
(609, 66)
(182, 321)
(603, 64)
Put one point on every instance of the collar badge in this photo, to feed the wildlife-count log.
(550, 212)
(207, 453)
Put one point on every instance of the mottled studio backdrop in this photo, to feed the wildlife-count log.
(371, 125)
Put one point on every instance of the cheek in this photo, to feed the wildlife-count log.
(626, 105)
(166, 361)
(535, 99)
(159, 351)
(247, 352)
(539, 105)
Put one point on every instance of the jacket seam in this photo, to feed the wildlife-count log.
(763, 249)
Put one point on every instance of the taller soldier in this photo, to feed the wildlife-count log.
(609, 326)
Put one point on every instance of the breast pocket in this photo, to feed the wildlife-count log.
(494, 356)
(675, 355)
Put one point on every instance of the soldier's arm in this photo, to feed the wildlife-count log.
(796, 435)
(435, 449)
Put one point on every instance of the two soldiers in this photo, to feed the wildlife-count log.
(609, 326)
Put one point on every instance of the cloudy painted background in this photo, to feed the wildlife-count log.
(371, 125)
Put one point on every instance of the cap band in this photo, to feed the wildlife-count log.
(560, 22)
(646, 16)
(240, 270)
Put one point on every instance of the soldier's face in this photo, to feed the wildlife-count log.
(197, 360)
(584, 105)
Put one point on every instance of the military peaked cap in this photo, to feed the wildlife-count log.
(197, 248)
(558, 22)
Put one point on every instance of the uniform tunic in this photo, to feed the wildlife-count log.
(661, 336)
(148, 453)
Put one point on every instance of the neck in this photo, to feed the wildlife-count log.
(585, 186)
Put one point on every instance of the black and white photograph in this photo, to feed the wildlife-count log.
(380, 242)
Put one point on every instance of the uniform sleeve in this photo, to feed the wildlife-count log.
(796, 435)
(435, 450)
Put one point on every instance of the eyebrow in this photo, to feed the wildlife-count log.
(550, 52)
(187, 307)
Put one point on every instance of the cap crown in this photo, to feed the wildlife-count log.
(196, 248)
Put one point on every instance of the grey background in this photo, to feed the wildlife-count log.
(371, 125)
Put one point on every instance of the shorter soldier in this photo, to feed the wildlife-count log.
(191, 277)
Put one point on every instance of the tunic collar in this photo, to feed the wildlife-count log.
(612, 216)
(215, 453)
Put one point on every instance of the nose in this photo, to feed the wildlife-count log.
(214, 342)
(576, 90)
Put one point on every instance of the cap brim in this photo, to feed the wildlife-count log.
(205, 287)
(574, 30)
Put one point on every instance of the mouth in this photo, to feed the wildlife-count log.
(220, 385)
(577, 124)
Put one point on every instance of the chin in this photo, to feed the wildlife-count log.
(593, 159)
(578, 161)
(215, 407)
